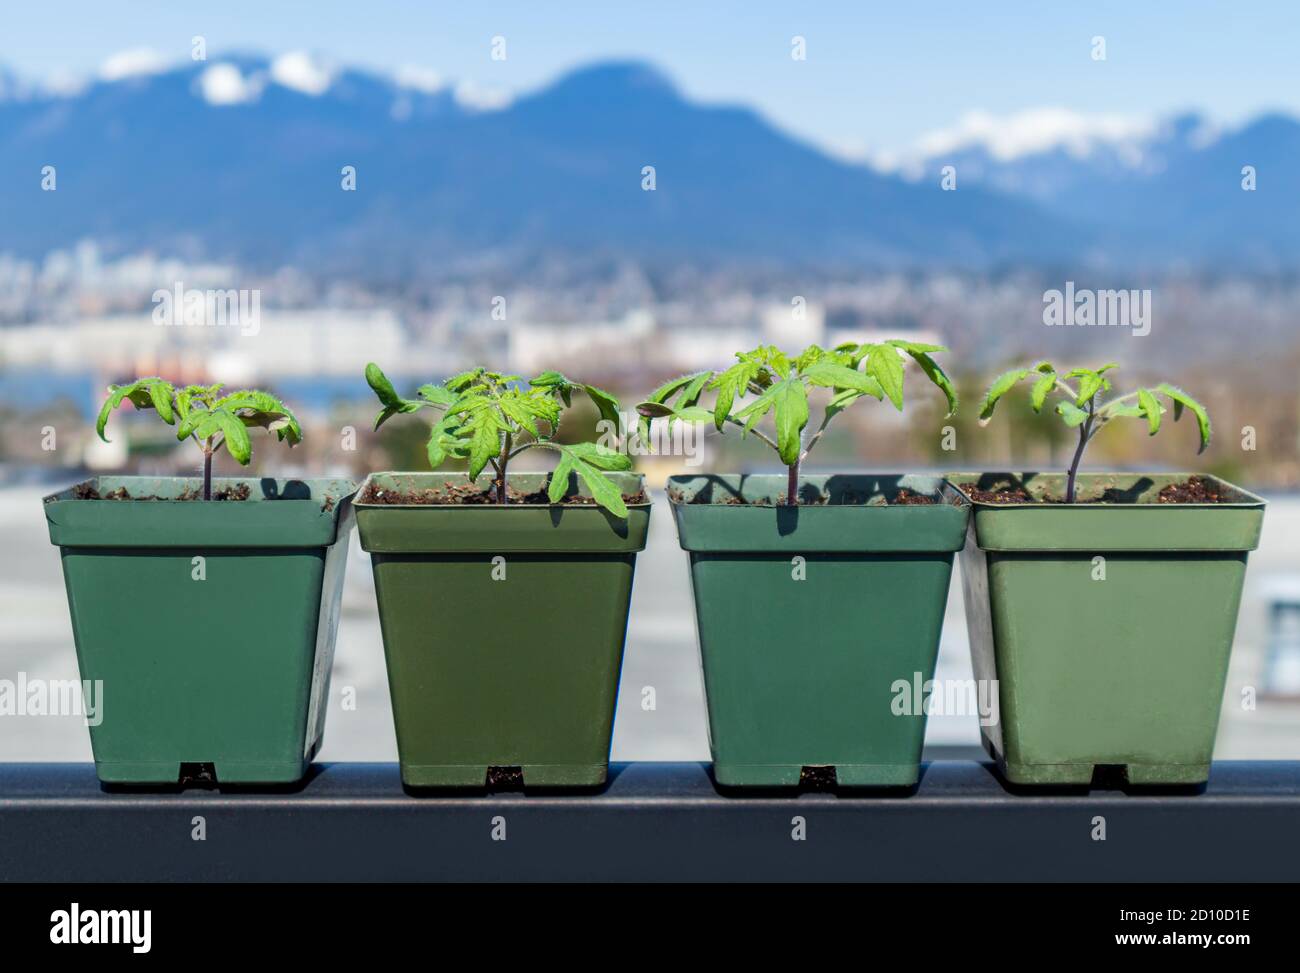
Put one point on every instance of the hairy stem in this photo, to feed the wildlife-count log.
(792, 484)
(502, 461)
(754, 432)
(207, 469)
(1085, 433)
(818, 434)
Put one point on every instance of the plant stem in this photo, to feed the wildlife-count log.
(754, 432)
(207, 469)
(826, 420)
(502, 460)
(1085, 432)
(792, 485)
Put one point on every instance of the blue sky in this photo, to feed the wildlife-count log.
(878, 76)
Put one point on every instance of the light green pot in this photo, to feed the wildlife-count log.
(1107, 626)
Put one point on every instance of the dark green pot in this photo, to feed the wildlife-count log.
(1125, 668)
(809, 673)
(519, 672)
(232, 670)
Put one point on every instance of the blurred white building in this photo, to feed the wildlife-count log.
(285, 343)
(581, 346)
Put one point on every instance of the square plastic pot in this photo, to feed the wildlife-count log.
(813, 618)
(1107, 626)
(503, 630)
(211, 625)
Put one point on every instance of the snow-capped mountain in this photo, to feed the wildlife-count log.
(1178, 190)
(246, 157)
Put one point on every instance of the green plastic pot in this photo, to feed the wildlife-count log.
(1108, 626)
(223, 661)
(503, 630)
(809, 673)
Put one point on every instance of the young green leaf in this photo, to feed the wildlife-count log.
(558, 488)
(1150, 407)
(916, 347)
(436, 394)
(791, 404)
(160, 395)
(731, 385)
(235, 437)
(920, 353)
(559, 384)
(829, 374)
(886, 367)
(116, 393)
(1042, 386)
(659, 397)
(654, 410)
(484, 440)
(549, 379)
(393, 403)
(1071, 413)
(606, 404)
(842, 400)
(462, 381)
(604, 492)
(517, 411)
(673, 384)
(1181, 399)
(443, 441)
(753, 413)
(1090, 383)
(689, 395)
(692, 413)
(263, 410)
(382, 387)
(1003, 384)
(601, 457)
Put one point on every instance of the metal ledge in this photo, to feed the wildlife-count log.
(653, 822)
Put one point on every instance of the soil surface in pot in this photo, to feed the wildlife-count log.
(240, 491)
(904, 498)
(469, 495)
(1192, 490)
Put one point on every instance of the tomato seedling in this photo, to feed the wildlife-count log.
(489, 418)
(205, 415)
(781, 384)
(1083, 407)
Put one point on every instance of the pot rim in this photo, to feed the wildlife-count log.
(268, 519)
(510, 477)
(339, 488)
(937, 485)
(1248, 501)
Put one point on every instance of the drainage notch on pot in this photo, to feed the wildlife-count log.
(505, 778)
(818, 778)
(197, 774)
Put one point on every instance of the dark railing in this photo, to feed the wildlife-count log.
(651, 822)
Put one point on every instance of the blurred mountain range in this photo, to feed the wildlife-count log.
(241, 159)
(1170, 195)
